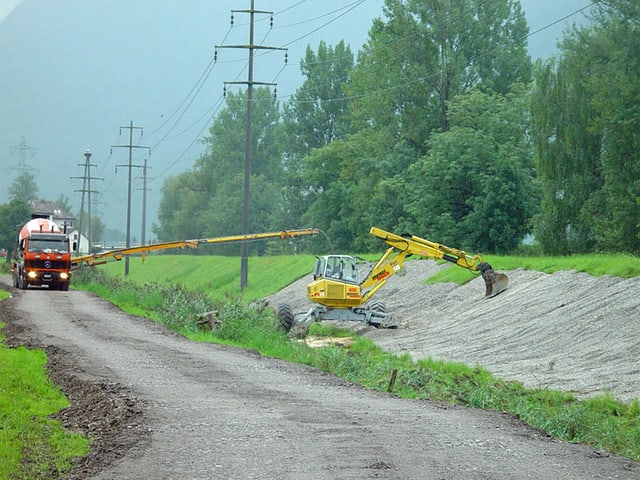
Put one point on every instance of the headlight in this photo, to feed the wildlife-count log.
(64, 276)
(32, 274)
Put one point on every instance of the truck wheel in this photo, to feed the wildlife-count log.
(285, 315)
(22, 283)
(63, 286)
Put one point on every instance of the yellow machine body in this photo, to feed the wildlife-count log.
(336, 283)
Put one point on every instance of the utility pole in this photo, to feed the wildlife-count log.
(250, 82)
(86, 188)
(143, 234)
(130, 166)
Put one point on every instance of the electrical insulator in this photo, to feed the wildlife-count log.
(286, 58)
(224, 92)
(271, 22)
(215, 55)
(232, 19)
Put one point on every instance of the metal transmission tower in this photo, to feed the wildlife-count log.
(130, 167)
(23, 149)
(250, 82)
(25, 171)
(86, 188)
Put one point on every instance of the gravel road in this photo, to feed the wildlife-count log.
(159, 406)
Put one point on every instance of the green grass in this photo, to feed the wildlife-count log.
(216, 274)
(32, 445)
(619, 265)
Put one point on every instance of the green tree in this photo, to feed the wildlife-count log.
(615, 87)
(206, 201)
(12, 216)
(24, 187)
(315, 116)
(182, 204)
(567, 156)
(63, 202)
(586, 118)
(97, 227)
(427, 52)
(348, 188)
(476, 189)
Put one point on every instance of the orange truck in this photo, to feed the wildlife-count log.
(42, 256)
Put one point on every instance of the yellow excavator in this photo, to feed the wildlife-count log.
(339, 295)
(100, 258)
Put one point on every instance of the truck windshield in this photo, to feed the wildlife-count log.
(49, 245)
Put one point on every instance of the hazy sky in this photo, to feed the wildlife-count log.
(73, 72)
(6, 6)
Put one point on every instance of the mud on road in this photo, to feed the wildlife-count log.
(159, 406)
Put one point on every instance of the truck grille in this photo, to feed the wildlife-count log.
(49, 264)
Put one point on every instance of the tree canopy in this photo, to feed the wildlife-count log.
(12, 216)
(586, 119)
(441, 127)
(24, 187)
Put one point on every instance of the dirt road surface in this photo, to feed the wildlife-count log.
(159, 406)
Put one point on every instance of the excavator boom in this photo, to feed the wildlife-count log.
(412, 244)
(119, 253)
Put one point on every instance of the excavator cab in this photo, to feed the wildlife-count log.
(337, 267)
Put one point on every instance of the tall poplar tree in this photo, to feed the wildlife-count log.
(315, 116)
(24, 187)
(426, 52)
(206, 200)
(586, 119)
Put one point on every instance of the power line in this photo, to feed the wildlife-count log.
(549, 25)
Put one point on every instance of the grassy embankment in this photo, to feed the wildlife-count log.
(32, 445)
(602, 422)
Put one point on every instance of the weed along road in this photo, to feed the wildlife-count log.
(160, 406)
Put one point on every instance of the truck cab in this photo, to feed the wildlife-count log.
(42, 256)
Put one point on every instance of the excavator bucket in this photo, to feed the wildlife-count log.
(495, 283)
